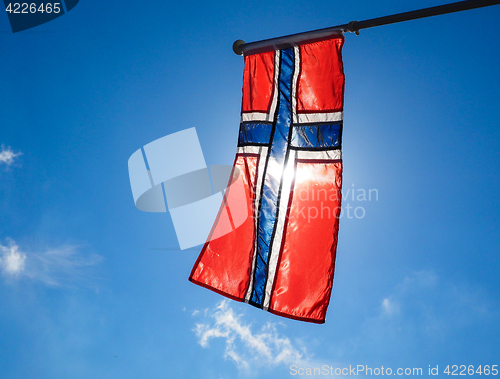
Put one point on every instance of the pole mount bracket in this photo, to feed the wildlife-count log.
(351, 27)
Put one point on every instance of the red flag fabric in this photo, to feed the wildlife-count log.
(281, 258)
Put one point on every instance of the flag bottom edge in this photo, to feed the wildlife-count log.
(242, 300)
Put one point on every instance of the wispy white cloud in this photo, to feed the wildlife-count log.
(389, 306)
(426, 306)
(423, 309)
(7, 156)
(60, 266)
(11, 259)
(245, 347)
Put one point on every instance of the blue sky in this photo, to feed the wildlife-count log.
(86, 292)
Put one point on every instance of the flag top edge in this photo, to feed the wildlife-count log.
(281, 43)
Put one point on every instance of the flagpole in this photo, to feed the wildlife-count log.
(242, 48)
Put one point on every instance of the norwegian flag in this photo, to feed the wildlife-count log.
(282, 257)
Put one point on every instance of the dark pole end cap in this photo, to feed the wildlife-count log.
(236, 47)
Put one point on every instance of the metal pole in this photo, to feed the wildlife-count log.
(242, 48)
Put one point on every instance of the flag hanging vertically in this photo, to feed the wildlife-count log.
(282, 258)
